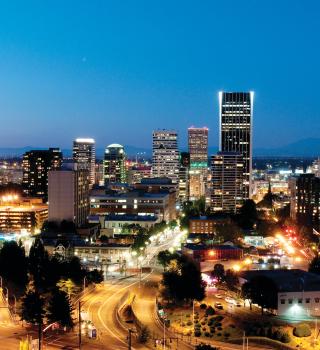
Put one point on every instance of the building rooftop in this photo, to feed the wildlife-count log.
(192, 246)
(294, 280)
(131, 217)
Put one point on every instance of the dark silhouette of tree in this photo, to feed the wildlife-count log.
(314, 266)
(32, 308)
(231, 279)
(218, 272)
(248, 214)
(261, 290)
(60, 309)
(13, 264)
(38, 263)
(94, 276)
(72, 269)
(205, 347)
(164, 257)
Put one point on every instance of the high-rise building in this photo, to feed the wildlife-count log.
(114, 165)
(84, 156)
(165, 154)
(198, 146)
(307, 200)
(184, 176)
(227, 182)
(236, 130)
(69, 196)
(198, 149)
(36, 164)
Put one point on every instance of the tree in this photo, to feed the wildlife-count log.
(13, 264)
(182, 281)
(73, 269)
(60, 309)
(144, 335)
(206, 347)
(231, 279)
(218, 272)
(32, 309)
(248, 214)
(164, 257)
(38, 263)
(314, 266)
(261, 290)
(94, 276)
(66, 286)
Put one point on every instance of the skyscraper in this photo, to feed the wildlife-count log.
(84, 156)
(198, 149)
(114, 165)
(227, 182)
(165, 154)
(36, 164)
(236, 130)
(184, 176)
(68, 193)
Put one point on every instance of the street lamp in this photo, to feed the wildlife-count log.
(7, 295)
(84, 282)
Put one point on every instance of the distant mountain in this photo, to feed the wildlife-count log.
(309, 147)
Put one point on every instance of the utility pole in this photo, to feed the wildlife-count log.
(79, 324)
(130, 331)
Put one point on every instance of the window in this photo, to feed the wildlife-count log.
(299, 301)
(307, 300)
(316, 300)
(290, 301)
(283, 301)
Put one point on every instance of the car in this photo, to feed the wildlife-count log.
(219, 296)
(238, 304)
(230, 300)
(218, 306)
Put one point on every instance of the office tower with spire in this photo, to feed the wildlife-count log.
(236, 116)
(84, 156)
(165, 155)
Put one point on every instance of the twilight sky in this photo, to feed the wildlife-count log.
(115, 70)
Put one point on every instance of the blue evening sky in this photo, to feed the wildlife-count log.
(115, 70)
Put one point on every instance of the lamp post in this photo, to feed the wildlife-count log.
(84, 282)
(7, 295)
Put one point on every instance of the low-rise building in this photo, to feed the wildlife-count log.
(201, 252)
(298, 291)
(205, 224)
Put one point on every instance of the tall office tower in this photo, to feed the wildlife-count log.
(236, 130)
(36, 165)
(68, 193)
(227, 182)
(84, 156)
(165, 155)
(198, 149)
(307, 200)
(184, 176)
(114, 165)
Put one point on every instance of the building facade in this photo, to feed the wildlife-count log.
(69, 196)
(84, 156)
(227, 182)
(114, 165)
(236, 115)
(165, 155)
(36, 165)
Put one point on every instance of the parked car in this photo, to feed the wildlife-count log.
(219, 296)
(230, 300)
(218, 306)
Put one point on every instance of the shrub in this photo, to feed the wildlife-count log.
(207, 334)
(226, 334)
(262, 332)
(219, 334)
(203, 306)
(197, 333)
(219, 328)
(203, 329)
(218, 318)
(212, 330)
(269, 332)
(218, 324)
(285, 338)
(302, 330)
(183, 324)
(277, 335)
(210, 311)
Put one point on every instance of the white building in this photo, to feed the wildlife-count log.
(165, 154)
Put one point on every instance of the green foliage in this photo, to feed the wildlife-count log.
(94, 276)
(197, 333)
(302, 330)
(210, 311)
(182, 282)
(38, 263)
(32, 308)
(248, 214)
(164, 257)
(285, 338)
(60, 309)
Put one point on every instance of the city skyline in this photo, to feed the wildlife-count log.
(115, 67)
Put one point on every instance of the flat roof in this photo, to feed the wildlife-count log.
(294, 280)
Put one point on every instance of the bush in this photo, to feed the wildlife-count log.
(203, 306)
(183, 324)
(207, 334)
(210, 311)
(226, 334)
(144, 335)
(219, 334)
(302, 330)
(197, 333)
(218, 324)
(285, 338)
(277, 335)
(212, 330)
(219, 328)
(218, 318)
(262, 332)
